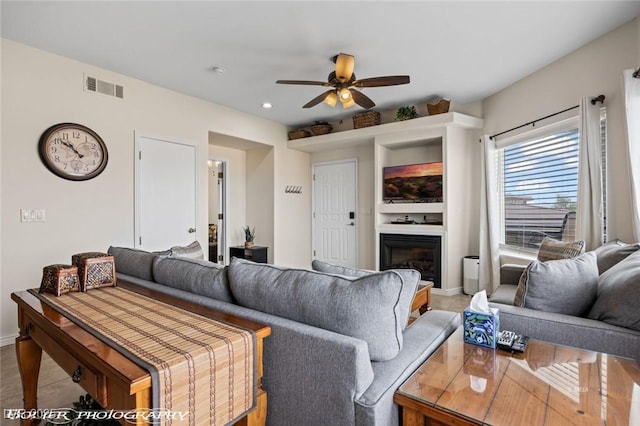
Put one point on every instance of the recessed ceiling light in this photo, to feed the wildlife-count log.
(267, 105)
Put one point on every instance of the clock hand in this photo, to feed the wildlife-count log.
(72, 147)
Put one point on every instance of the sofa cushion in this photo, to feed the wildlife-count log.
(550, 249)
(193, 251)
(410, 281)
(613, 252)
(566, 286)
(362, 307)
(619, 294)
(196, 276)
(135, 262)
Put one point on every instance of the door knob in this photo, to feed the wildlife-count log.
(191, 230)
(351, 224)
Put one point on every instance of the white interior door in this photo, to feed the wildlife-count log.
(334, 212)
(166, 189)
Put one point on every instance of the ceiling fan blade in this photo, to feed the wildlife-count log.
(304, 82)
(315, 101)
(361, 99)
(391, 80)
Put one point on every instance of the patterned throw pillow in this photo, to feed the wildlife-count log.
(550, 249)
(192, 251)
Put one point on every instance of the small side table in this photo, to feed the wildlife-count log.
(256, 254)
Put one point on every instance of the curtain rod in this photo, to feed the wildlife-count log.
(599, 98)
(637, 73)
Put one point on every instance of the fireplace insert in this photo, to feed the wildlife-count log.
(420, 252)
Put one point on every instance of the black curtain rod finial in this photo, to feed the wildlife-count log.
(637, 73)
(599, 98)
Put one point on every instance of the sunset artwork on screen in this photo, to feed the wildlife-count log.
(416, 183)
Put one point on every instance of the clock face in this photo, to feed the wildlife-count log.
(73, 151)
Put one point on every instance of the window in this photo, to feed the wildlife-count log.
(538, 178)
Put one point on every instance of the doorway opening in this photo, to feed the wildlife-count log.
(217, 211)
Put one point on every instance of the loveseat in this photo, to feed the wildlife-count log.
(590, 301)
(340, 345)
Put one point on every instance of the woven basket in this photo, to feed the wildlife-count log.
(439, 106)
(321, 129)
(299, 134)
(366, 119)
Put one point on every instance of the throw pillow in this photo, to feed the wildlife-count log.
(565, 286)
(193, 251)
(550, 249)
(362, 307)
(613, 252)
(193, 275)
(619, 294)
(410, 281)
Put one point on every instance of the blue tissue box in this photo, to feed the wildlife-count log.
(481, 329)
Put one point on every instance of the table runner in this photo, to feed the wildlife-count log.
(200, 366)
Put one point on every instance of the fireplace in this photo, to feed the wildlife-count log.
(419, 252)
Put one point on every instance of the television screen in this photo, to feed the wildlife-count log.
(417, 183)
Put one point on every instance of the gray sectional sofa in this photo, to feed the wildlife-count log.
(591, 301)
(340, 345)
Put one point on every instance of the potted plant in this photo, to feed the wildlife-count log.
(406, 113)
(249, 236)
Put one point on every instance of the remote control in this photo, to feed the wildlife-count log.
(506, 339)
(520, 344)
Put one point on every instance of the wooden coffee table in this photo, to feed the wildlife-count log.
(463, 384)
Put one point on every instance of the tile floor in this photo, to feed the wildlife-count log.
(56, 390)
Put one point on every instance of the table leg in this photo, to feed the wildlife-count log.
(29, 355)
(412, 417)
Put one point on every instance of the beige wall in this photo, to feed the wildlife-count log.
(591, 70)
(40, 89)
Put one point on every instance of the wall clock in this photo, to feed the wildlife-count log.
(73, 151)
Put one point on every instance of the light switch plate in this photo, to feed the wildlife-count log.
(32, 215)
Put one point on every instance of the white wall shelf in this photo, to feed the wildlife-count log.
(399, 129)
(402, 208)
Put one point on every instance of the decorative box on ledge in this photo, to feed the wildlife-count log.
(59, 279)
(95, 270)
(481, 329)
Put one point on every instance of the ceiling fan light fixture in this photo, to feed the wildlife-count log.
(331, 99)
(344, 67)
(345, 95)
(348, 103)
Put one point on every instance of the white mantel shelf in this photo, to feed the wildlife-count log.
(366, 135)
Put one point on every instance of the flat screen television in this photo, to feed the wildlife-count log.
(413, 183)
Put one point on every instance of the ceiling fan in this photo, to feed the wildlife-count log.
(344, 85)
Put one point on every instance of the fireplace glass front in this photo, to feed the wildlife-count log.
(419, 252)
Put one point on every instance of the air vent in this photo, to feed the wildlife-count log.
(92, 84)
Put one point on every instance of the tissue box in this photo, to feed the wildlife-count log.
(481, 329)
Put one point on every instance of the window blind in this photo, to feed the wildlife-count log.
(539, 183)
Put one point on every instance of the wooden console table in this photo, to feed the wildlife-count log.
(113, 380)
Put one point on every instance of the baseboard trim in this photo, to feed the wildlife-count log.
(8, 340)
(447, 292)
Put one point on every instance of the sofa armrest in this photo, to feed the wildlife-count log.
(583, 333)
(420, 339)
(510, 273)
